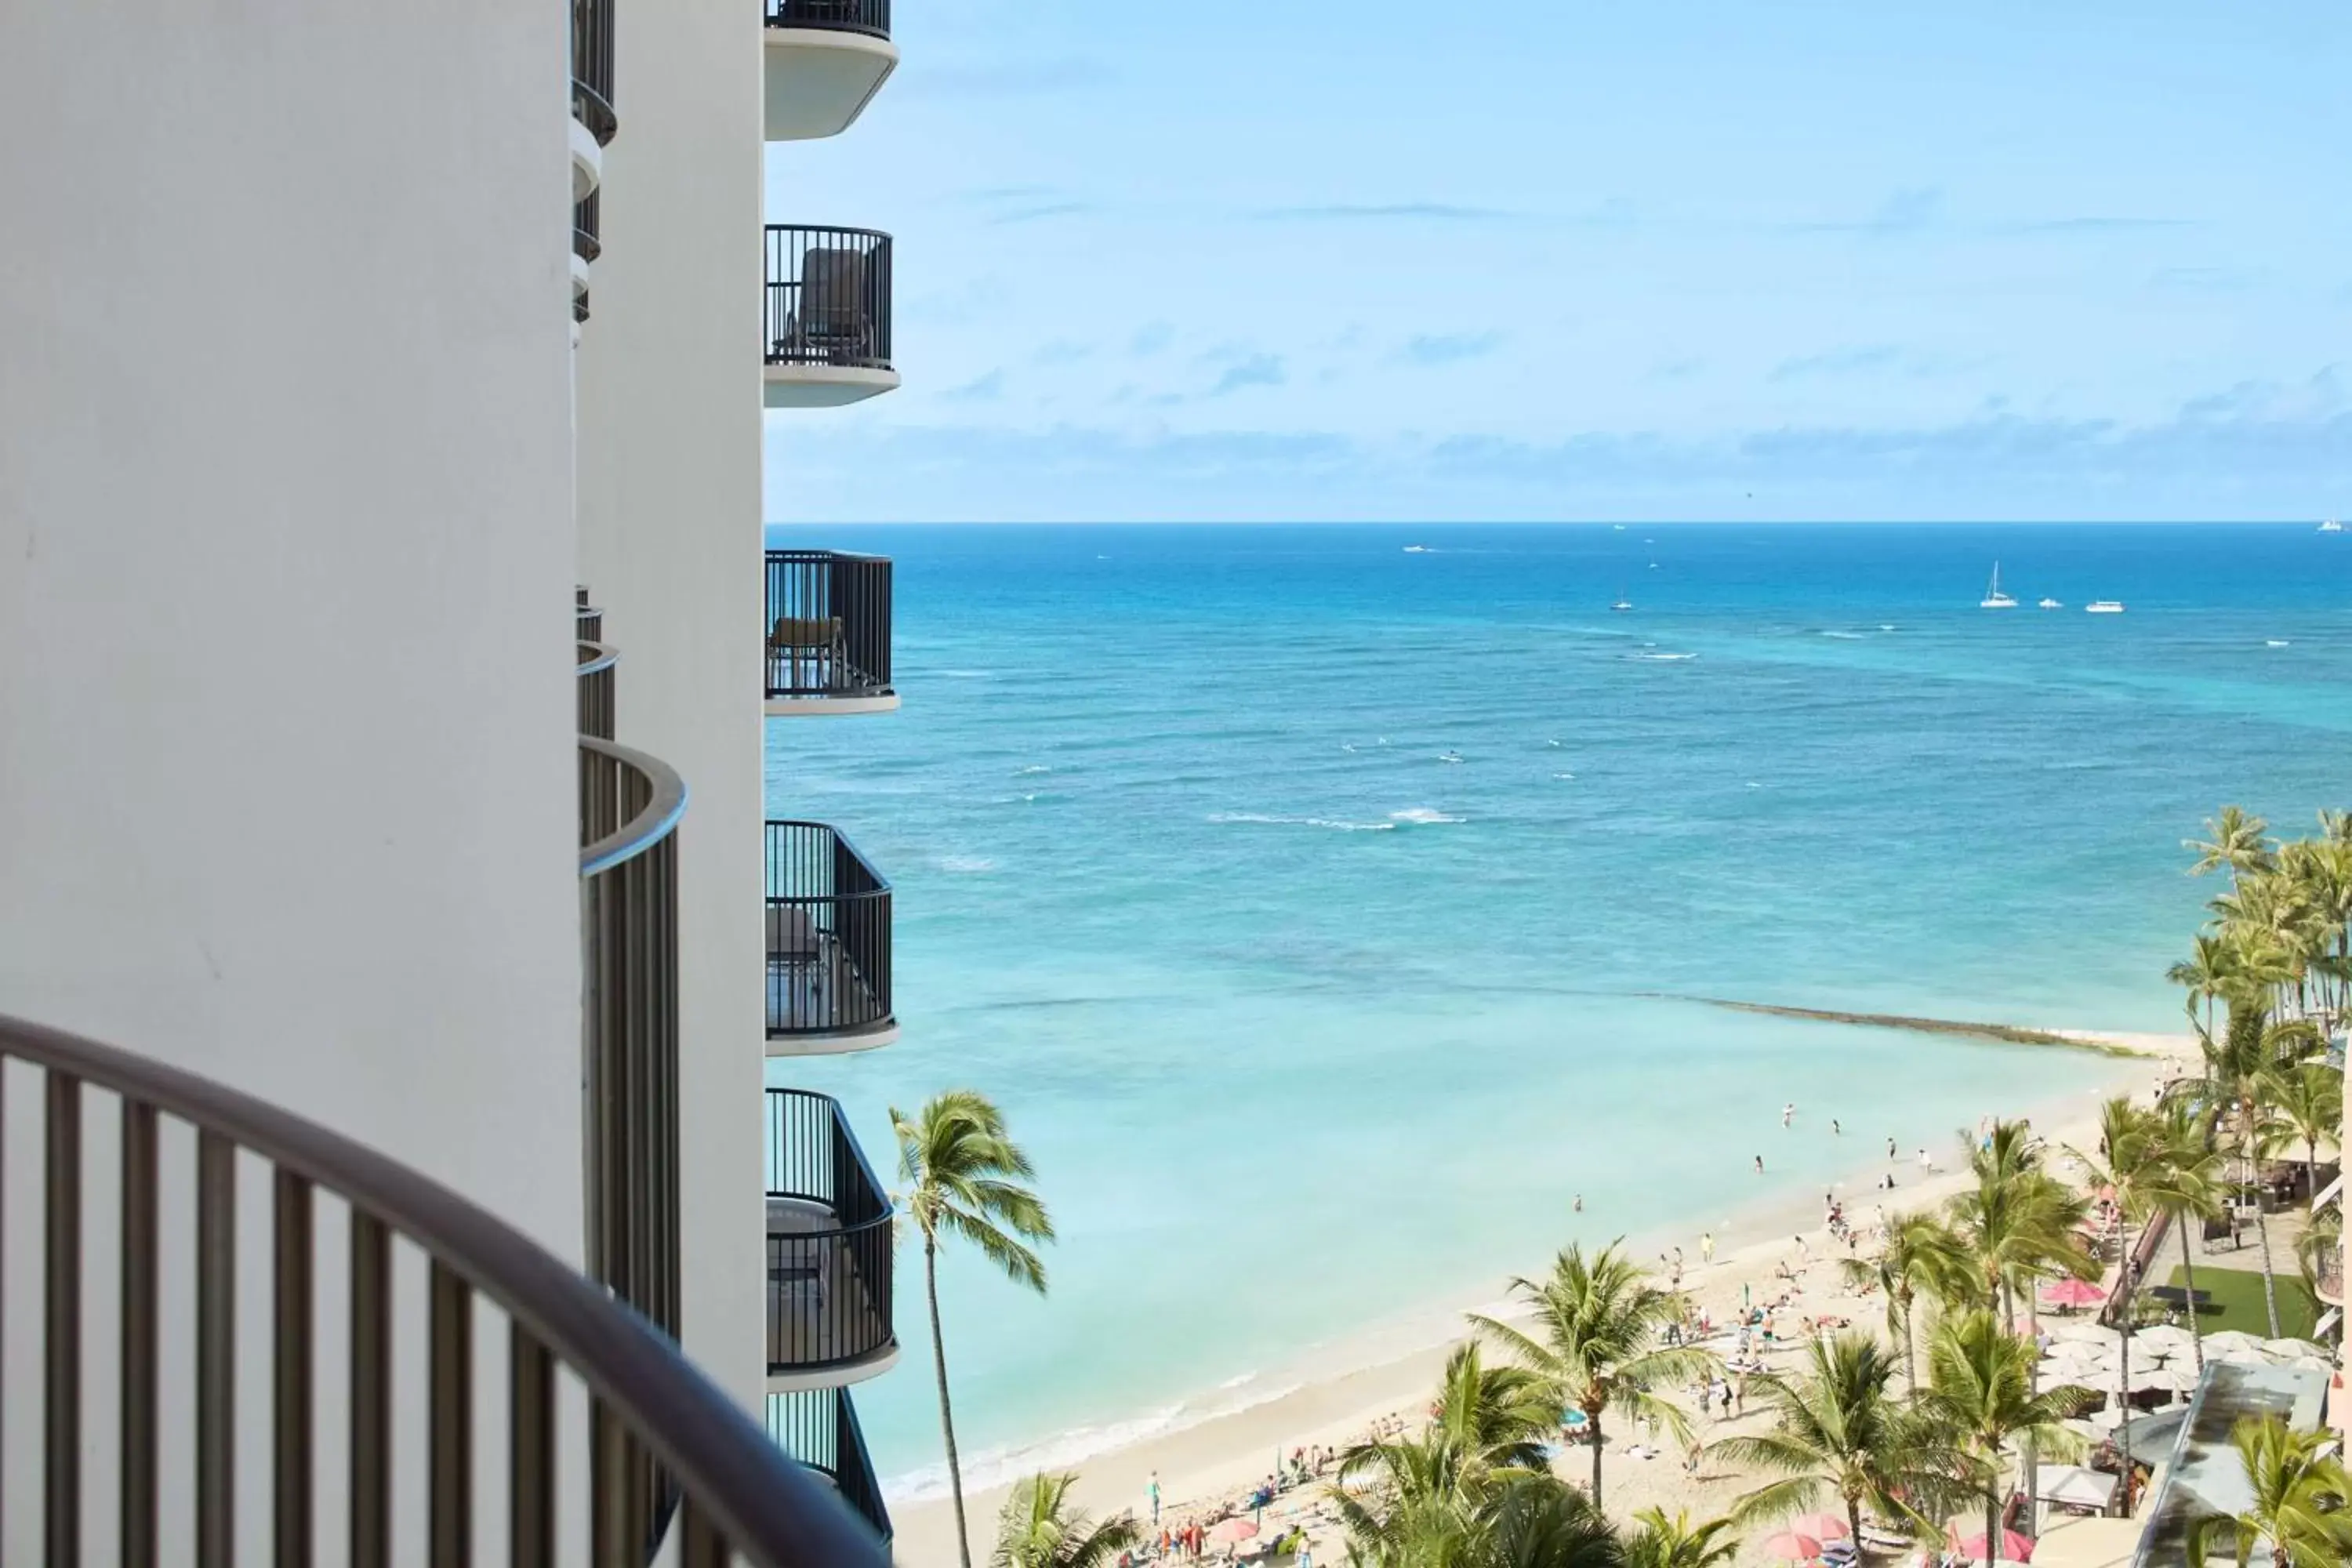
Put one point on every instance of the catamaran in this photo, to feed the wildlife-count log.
(2331, 526)
(1994, 598)
(1623, 602)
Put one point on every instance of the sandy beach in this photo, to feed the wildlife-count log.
(1201, 1467)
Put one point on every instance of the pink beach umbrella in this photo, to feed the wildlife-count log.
(2074, 1293)
(1225, 1532)
(1820, 1527)
(1791, 1547)
(2014, 1548)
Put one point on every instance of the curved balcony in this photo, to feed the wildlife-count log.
(630, 805)
(596, 662)
(585, 247)
(455, 1404)
(828, 944)
(826, 59)
(828, 634)
(829, 1251)
(593, 121)
(591, 619)
(827, 315)
(819, 1429)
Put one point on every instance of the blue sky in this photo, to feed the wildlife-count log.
(1499, 259)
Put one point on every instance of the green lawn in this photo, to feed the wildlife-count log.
(2238, 1302)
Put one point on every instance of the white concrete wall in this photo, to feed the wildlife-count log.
(287, 550)
(670, 414)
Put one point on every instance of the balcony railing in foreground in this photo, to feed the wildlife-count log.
(819, 1428)
(664, 1451)
(596, 662)
(828, 937)
(630, 805)
(828, 628)
(828, 297)
(591, 619)
(868, 16)
(829, 1242)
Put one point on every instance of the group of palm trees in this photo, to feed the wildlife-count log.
(1855, 1427)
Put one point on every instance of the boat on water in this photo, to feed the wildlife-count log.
(1994, 598)
(2331, 526)
(2050, 605)
(1623, 602)
(2105, 607)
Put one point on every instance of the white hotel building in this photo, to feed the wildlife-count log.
(387, 1172)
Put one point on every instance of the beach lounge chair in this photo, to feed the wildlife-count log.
(805, 653)
(833, 324)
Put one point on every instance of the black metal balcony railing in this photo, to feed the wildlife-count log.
(819, 1428)
(828, 624)
(829, 1239)
(596, 662)
(585, 219)
(828, 935)
(630, 805)
(592, 69)
(870, 16)
(591, 619)
(828, 297)
(661, 1449)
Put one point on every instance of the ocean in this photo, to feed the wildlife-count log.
(1321, 902)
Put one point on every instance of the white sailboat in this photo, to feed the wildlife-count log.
(1994, 598)
(2331, 526)
(1623, 602)
(2050, 605)
(2105, 607)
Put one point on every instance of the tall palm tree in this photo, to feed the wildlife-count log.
(1657, 1542)
(2209, 971)
(1039, 1527)
(2245, 1069)
(964, 1176)
(1538, 1522)
(1595, 1337)
(2234, 841)
(1432, 1492)
(1841, 1431)
(2300, 1493)
(2189, 1192)
(1922, 1257)
(1980, 1389)
(2309, 1110)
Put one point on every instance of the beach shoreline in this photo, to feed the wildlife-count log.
(1332, 1393)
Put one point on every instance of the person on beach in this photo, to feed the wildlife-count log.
(1579, 1204)
(1890, 1151)
(1152, 1492)
(1927, 1160)
(1706, 1247)
(1836, 1131)
(1759, 1164)
(1788, 1112)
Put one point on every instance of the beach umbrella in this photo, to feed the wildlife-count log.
(1790, 1547)
(2072, 1293)
(1225, 1532)
(2163, 1338)
(2231, 1340)
(1820, 1526)
(2104, 1421)
(2294, 1348)
(2087, 1329)
(2014, 1548)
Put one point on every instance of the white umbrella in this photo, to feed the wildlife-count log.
(2294, 1347)
(2239, 1357)
(2088, 1329)
(2309, 1363)
(2146, 1380)
(2106, 1420)
(2229, 1340)
(2162, 1339)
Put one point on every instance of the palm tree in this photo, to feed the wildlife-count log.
(2300, 1491)
(1840, 1430)
(1040, 1528)
(2188, 1193)
(2320, 1250)
(2245, 1066)
(1437, 1488)
(1921, 1257)
(1538, 1522)
(1596, 1342)
(1677, 1542)
(2234, 839)
(2209, 970)
(964, 1178)
(1980, 1389)
(2308, 1107)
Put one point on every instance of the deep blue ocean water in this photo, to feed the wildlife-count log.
(1285, 874)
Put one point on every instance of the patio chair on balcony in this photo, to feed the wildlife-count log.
(805, 651)
(834, 325)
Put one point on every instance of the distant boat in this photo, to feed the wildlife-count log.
(1623, 602)
(1994, 598)
(2105, 607)
(2050, 605)
(2331, 526)
(1416, 550)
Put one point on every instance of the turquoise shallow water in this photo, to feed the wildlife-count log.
(1188, 877)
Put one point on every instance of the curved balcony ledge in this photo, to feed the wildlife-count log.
(825, 61)
(587, 161)
(829, 1251)
(826, 313)
(828, 944)
(819, 1430)
(828, 634)
(596, 686)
